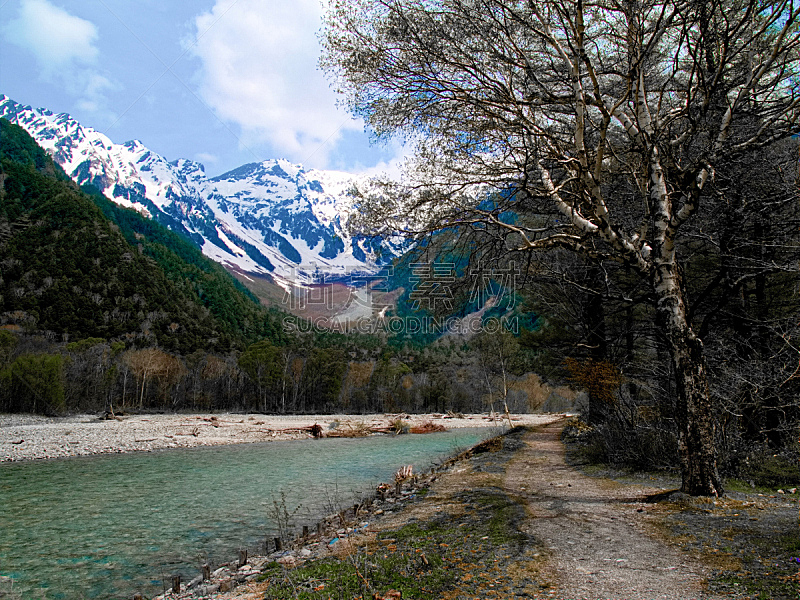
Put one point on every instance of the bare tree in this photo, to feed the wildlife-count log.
(149, 363)
(599, 125)
(495, 351)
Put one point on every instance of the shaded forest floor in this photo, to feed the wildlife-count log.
(514, 520)
(749, 540)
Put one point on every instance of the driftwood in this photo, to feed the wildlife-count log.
(404, 473)
(428, 427)
(343, 430)
(363, 430)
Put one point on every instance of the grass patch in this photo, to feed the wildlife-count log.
(771, 470)
(361, 575)
(446, 556)
(782, 586)
(753, 546)
(734, 484)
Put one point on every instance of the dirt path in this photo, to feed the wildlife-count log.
(595, 530)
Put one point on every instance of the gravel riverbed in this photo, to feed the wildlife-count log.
(33, 437)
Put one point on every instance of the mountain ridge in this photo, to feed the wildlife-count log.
(271, 219)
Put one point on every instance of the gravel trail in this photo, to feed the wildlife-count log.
(586, 538)
(596, 531)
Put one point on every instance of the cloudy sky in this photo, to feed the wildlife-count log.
(224, 82)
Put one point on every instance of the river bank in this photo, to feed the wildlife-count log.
(510, 519)
(34, 437)
(338, 538)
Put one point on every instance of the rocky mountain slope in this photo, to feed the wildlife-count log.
(269, 219)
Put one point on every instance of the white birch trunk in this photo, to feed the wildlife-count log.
(695, 414)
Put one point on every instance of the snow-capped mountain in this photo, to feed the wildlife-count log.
(270, 218)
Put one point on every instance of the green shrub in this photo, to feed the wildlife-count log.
(764, 469)
(34, 383)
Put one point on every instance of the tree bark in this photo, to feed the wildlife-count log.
(695, 411)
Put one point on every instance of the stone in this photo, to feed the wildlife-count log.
(287, 561)
(207, 590)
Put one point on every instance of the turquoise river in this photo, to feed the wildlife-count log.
(110, 525)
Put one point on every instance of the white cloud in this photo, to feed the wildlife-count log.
(92, 87)
(206, 158)
(259, 71)
(392, 167)
(56, 38)
(65, 48)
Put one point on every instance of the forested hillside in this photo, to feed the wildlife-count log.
(76, 266)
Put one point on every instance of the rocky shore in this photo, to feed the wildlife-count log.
(32, 437)
(335, 535)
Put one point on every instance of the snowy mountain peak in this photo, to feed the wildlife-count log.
(271, 217)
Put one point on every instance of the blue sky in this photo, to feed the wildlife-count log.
(223, 82)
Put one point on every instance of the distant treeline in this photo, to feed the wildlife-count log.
(324, 373)
(101, 307)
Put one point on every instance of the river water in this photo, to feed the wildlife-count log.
(108, 526)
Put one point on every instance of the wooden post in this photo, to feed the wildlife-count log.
(242, 558)
(355, 509)
(319, 529)
(397, 488)
(278, 544)
(176, 584)
(206, 572)
(305, 531)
